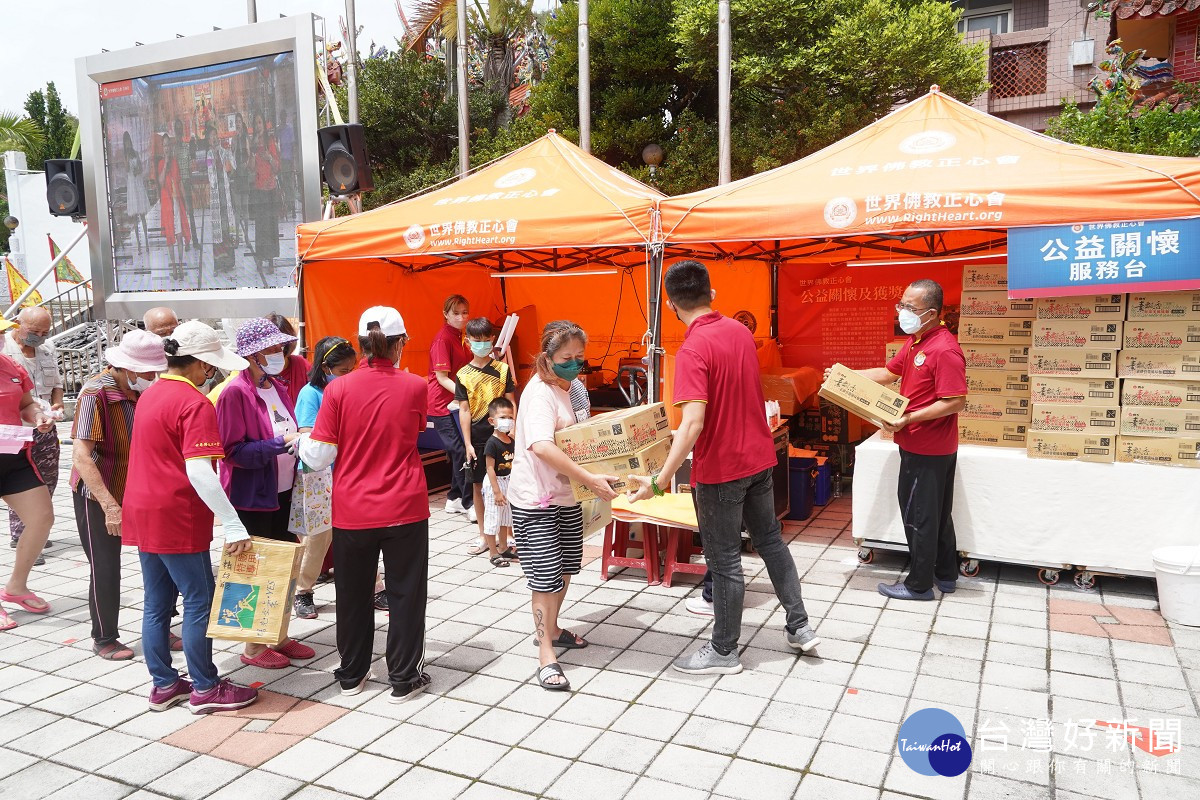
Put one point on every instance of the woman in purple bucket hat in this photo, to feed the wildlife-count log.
(257, 422)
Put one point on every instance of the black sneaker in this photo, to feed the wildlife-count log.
(40, 560)
(12, 542)
(381, 603)
(402, 694)
(304, 606)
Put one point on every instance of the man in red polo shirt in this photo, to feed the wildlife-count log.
(933, 376)
(719, 386)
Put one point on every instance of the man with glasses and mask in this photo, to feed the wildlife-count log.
(26, 345)
(933, 376)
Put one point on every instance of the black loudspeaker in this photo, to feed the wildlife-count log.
(344, 164)
(64, 187)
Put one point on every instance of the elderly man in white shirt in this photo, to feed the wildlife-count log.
(26, 345)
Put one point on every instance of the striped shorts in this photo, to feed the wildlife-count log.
(495, 517)
(550, 541)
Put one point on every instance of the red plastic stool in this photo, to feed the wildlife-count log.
(677, 555)
(617, 543)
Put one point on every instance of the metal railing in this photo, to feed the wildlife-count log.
(70, 308)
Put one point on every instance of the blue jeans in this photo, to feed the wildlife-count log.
(460, 479)
(721, 510)
(165, 576)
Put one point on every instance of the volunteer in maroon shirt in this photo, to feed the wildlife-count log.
(369, 420)
(719, 386)
(447, 355)
(933, 376)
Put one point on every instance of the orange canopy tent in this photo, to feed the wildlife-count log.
(931, 187)
(548, 231)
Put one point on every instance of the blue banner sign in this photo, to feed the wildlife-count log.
(1104, 258)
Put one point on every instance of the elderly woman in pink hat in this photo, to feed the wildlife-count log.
(257, 422)
(102, 433)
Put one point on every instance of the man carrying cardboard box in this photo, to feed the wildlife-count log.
(933, 376)
(717, 382)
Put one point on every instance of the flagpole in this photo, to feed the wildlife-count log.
(46, 273)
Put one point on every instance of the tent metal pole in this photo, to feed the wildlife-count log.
(464, 113)
(724, 49)
(585, 81)
(654, 352)
(774, 314)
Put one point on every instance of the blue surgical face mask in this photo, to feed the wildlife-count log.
(569, 370)
(330, 377)
(481, 349)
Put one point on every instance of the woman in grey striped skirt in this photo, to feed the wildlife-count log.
(547, 520)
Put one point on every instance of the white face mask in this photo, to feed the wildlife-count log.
(275, 364)
(138, 383)
(910, 321)
(504, 425)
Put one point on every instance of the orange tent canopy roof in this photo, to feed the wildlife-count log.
(935, 177)
(548, 205)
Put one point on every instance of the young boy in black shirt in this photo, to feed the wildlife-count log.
(498, 456)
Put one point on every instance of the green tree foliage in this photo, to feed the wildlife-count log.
(806, 73)
(45, 108)
(1117, 123)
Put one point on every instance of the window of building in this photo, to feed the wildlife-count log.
(985, 15)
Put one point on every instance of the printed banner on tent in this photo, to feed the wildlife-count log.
(1104, 258)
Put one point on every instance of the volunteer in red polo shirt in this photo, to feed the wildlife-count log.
(369, 420)
(933, 376)
(447, 355)
(718, 384)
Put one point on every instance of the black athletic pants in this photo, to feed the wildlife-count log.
(405, 551)
(926, 495)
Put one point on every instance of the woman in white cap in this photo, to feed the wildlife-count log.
(257, 422)
(171, 496)
(102, 434)
(370, 420)
(21, 486)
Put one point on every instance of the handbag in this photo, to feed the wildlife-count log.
(312, 502)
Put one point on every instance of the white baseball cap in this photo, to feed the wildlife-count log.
(199, 341)
(384, 318)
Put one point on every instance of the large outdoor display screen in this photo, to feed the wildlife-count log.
(201, 171)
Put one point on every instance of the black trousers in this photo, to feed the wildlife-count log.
(926, 495)
(405, 551)
(104, 573)
(270, 524)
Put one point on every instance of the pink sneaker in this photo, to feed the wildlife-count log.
(176, 693)
(225, 696)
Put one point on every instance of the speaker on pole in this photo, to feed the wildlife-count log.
(344, 163)
(64, 187)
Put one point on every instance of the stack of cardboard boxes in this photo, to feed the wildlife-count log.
(994, 333)
(1073, 377)
(629, 441)
(1159, 365)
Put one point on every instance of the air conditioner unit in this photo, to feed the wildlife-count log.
(1083, 52)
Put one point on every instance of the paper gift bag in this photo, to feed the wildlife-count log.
(253, 599)
(312, 503)
(596, 515)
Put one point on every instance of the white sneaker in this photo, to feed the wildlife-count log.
(454, 507)
(471, 515)
(698, 605)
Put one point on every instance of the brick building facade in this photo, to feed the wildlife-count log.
(1040, 52)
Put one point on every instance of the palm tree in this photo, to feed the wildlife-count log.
(497, 28)
(19, 133)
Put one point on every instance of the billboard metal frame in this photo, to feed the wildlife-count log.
(294, 34)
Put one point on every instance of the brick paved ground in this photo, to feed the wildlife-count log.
(1038, 677)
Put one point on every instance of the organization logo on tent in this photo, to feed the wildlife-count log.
(515, 178)
(414, 237)
(840, 212)
(926, 142)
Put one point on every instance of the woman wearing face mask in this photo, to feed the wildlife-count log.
(447, 355)
(296, 370)
(370, 421)
(547, 520)
(258, 427)
(332, 358)
(102, 433)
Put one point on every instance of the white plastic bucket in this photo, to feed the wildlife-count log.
(1177, 570)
